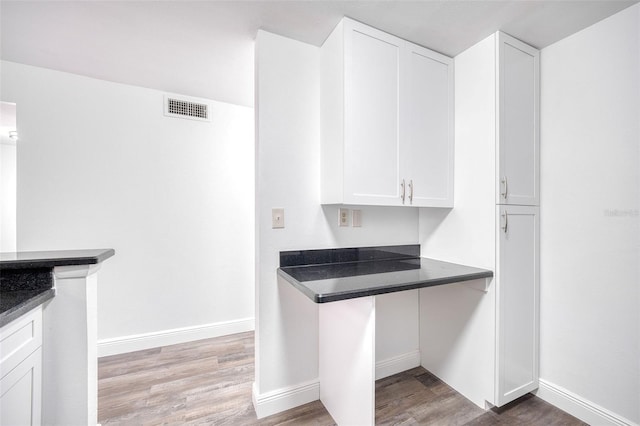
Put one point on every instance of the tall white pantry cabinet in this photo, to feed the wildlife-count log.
(518, 195)
(486, 344)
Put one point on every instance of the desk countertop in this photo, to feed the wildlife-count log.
(330, 282)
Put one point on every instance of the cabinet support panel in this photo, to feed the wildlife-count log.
(347, 360)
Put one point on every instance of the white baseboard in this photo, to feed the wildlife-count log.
(283, 399)
(397, 364)
(138, 342)
(579, 407)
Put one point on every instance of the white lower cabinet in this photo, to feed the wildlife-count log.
(21, 370)
(517, 309)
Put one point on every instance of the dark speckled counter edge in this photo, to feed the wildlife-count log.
(23, 285)
(51, 259)
(352, 294)
(18, 310)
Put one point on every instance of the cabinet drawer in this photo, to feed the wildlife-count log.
(19, 339)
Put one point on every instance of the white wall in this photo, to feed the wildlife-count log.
(7, 196)
(288, 176)
(99, 165)
(7, 177)
(590, 231)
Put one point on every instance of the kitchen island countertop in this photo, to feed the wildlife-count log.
(26, 278)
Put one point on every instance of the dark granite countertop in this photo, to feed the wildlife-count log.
(50, 259)
(14, 304)
(329, 282)
(26, 278)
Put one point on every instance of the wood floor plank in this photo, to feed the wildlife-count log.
(209, 382)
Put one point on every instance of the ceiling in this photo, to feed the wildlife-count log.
(205, 48)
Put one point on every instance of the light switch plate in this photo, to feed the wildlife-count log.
(343, 217)
(356, 218)
(277, 218)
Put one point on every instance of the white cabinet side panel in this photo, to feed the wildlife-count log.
(347, 360)
(457, 328)
(457, 337)
(332, 117)
(465, 234)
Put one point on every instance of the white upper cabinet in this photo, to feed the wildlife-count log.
(372, 95)
(426, 124)
(387, 120)
(518, 95)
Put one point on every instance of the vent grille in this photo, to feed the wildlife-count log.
(186, 109)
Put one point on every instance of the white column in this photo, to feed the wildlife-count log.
(347, 360)
(69, 350)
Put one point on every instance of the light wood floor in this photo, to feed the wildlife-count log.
(209, 382)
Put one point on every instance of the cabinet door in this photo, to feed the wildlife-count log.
(518, 122)
(517, 317)
(371, 150)
(426, 125)
(21, 392)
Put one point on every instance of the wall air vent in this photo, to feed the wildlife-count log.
(181, 107)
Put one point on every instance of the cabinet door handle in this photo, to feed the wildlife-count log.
(506, 221)
(411, 191)
(403, 191)
(506, 187)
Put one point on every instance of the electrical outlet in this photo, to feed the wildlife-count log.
(343, 217)
(356, 218)
(277, 218)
